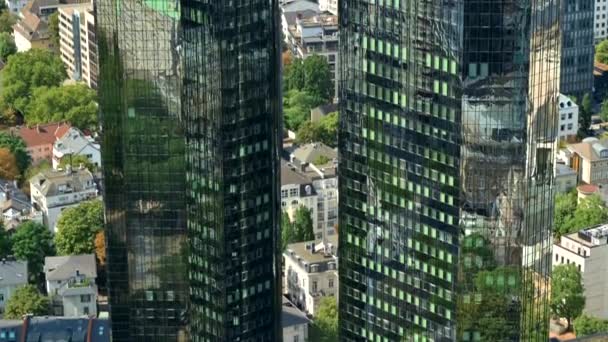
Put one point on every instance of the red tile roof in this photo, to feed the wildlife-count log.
(42, 134)
(588, 188)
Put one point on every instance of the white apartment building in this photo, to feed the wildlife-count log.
(13, 275)
(588, 250)
(568, 118)
(77, 42)
(330, 6)
(53, 191)
(76, 144)
(600, 22)
(294, 323)
(311, 272)
(70, 281)
(297, 190)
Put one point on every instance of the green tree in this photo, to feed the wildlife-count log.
(296, 107)
(325, 325)
(565, 205)
(590, 211)
(317, 77)
(77, 160)
(601, 52)
(303, 224)
(325, 131)
(287, 232)
(8, 165)
(567, 292)
(54, 28)
(32, 171)
(7, 45)
(321, 160)
(584, 115)
(26, 300)
(32, 242)
(73, 103)
(6, 247)
(587, 325)
(26, 71)
(604, 111)
(17, 147)
(294, 78)
(77, 228)
(7, 20)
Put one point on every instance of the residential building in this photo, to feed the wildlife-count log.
(588, 250)
(589, 159)
(297, 190)
(77, 43)
(330, 6)
(75, 143)
(39, 139)
(446, 158)
(600, 21)
(190, 99)
(294, 322)
(577, 24)
(296, 9)
(568, 118)
(70, 282)
(316, 34)
(51, 329)
(53, 191)
(15, 205)
(15, 6)
(311, 272)
(565, 178)
(13, 275)
(32, 32)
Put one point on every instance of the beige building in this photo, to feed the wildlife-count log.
(588, 251)
(590, 160)
(31, 32)
(77, 44)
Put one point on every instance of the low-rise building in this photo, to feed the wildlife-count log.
(565, 178)
(297, 190)
(589, 159)
(53, 191)
(70, 281)
(55, 329)
(77, 42)
(568, 118)
(294, 323)
(16, 206)
(311, 272)
(15, 6)
(588, 251)
(32, 32)
(75, 143)
(330, 6)
(13, 275)
(39, 139)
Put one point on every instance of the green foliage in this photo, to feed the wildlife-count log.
(17, 147)
(32, 242)
(325, 131)
(6, 247)
(311, 75)
(296, 107)
(325, 325)
(75, 162)
(32, 171)
(587, 325)
(321, 160)
(584, 115)
(54, 28)
(303, 224)
(601, 52)
(565, 205)
(294, 77)
(7, 45)
(26, 71)
(570, 217)
(567, 292)
(7, 20)
(77, 228)
(287, 233)
(73, 103)
(26, 300)
(604, 111)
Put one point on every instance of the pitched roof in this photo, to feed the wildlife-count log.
(54, 182)
(310, 152)
(42, 134)
(73, 141)
(289, 176)
(13, 273)
(65, 267)
(290, 315)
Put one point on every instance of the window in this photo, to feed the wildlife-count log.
(569, 115)
(314, 286)
(85, 310)
(331, 283)
(85, 298)
(296, 338)
(556, 257)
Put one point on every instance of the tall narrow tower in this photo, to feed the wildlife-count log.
(189, 100)
(447, 132)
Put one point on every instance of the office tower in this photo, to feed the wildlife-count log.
(446, 142)
(189, 98)
(577, 47)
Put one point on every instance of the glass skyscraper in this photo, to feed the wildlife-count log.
(189, 100)
(447, 131)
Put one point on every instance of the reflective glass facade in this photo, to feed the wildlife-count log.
(447, 130)
(189, 99)
(577, 47)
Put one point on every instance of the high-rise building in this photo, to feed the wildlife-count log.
(600, 21)
(447, 131)
(577, 47)
(189, 97)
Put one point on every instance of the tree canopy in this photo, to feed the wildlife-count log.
(76, 160)
(567, 292)
(26, 300)
(303, 224)
(570, 217)
(73, 103)
(325, 324)
(7, 45)
(32, 242)
(601, 52)
(77, 228)
(17, 147)
(325, 130)
(584, 114)
(26, 71)
(100, 247)
(7, 20)
(287, 233)
(587, 325)
(604, 111)
(311, 75)
(296, 107)
(8, 165)
(6, 247)
(54, 28)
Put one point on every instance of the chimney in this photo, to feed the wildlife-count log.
(303, 167)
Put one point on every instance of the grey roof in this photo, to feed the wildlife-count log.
(13, 273)
(326, 109)
(290, 315)
(290, 17)
(49, 181)
(65, 267)
(56, 329)
(15, 198)
(563, 170)
(73, 142)
(310, 152)
(300, 5)
(290, 176)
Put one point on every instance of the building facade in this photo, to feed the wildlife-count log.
(75, 143)
(568, 118)
(589, 159)
(13, 275)
(70, 282)
(189, 97)
(600, 21)
(39, 139)
(565, 178)
(588, 250)
(294, 322)
(77, 43)
(577, 24)
(447, 126)
(330, 6)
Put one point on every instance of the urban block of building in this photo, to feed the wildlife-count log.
(52, 191)
(70, 281)
(39, 139)
(568, 118)
(75, 143)
(78, 44)
(13, 275)
(588, 251)
(311, 272)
